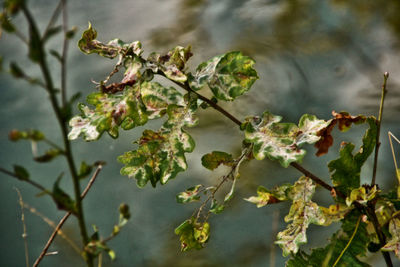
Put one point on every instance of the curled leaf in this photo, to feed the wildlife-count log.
(265, 196)
(88, 44)
(193, 234)
(344, 121)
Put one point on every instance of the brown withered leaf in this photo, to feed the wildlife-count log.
(344, 121)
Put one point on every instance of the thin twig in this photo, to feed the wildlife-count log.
(64, 54)
(63, 125)
(393, 154)
(64, 219)
(53, 18)
(348, 243)
(53, 225)
(25, 233)
(38, 186)
(274, 230)
(379, 122)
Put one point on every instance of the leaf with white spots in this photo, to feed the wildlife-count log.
(281, 141)
(110, 113)
(161, 155)
(228, 76)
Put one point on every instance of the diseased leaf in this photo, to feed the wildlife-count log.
(339, 243)
(88, 45)
(345, 171)
(215, 207)
(190, 195)
(344, 121)
(281, 141)
(393, 243)
(193, 234)
(172, 64)
(304, 212)
(362, 195)
(161, 155)
(156, 98)
(111, 111)
(212, 160)
(228, 76)
(265, 196)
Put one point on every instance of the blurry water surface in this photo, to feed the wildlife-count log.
(312, 57)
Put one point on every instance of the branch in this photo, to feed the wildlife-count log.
(64, 54)
(63, 125)
(379, 121)
(38, 186)
(64, 219)
(316, 179)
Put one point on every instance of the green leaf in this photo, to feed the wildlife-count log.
(111, 111)
(339, 244)
(161, 155)
(393, 243)
(62, 199)
(51, 32)
(190, 195)
(84, 170)
(16, 71)
(265, 196)
(13, 6)
(35, 46)
(281, 141)
(172, 64)
(304, 212)
(88, 45)
(6, 24)
(21, 173)
(156, 98)
(212, 160)
(71, 33)
(362, 195)
(55, 54)
(49, 155)
(193, 234)
(228, 76)
(345, 171)
(215, 207)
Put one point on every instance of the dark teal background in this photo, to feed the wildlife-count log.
(312, 57)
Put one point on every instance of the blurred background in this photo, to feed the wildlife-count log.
(312, 57)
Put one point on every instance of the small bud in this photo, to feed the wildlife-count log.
(124, 211)
(14, 135)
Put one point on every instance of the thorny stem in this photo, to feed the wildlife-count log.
(63, 125)
(64, 219)
(379, 121)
